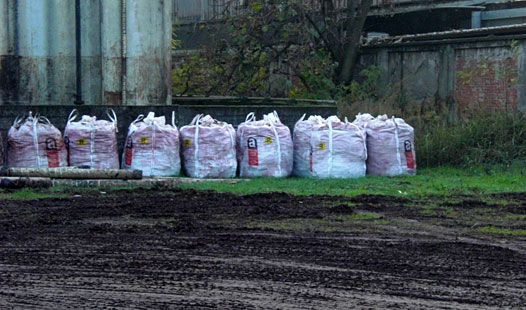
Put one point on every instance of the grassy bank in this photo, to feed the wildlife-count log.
(429, 181)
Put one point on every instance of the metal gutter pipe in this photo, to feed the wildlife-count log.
(78, 50)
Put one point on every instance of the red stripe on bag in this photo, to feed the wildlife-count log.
(52, 159)
(410, 159)
(52, 153)
(252, 145)
(128, 156)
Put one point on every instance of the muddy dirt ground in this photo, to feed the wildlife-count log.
(171, 249)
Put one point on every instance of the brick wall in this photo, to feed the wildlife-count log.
(465, 73)
(486, 83)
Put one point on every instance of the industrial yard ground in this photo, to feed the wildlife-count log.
(445, 239)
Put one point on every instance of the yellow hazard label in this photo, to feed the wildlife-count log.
(321, 146)
(81, 142)
(186, 142)
(143, 140)
(268, 140)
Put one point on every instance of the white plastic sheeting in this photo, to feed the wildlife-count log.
(264, 147)
(35, 143)
(152, 146)
(209, 148)
(92, 143)
(363, 119)
(329, 148)
(390, 145)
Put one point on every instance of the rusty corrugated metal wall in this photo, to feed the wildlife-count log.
(125, 51)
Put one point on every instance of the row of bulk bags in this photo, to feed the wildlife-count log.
(264, 147)
(35, 143)
(152, 146)
(322, 148)
(209, 148)
(329, 148)
(92, 143)
(390, 145)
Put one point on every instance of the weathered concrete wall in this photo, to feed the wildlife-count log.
(234, 114)
(125, 51)
(466, 73)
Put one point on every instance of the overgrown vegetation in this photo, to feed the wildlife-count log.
(291, 49)
(287, 48)
(480, 139)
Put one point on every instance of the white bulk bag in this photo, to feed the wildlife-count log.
(264, 147)
(209, 148)
(152, 146)
(92, 143)
(35, 143)
(390, 145)
(329, 148)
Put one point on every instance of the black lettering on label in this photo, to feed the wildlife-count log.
(252, 143)
(129, 143)
(51, 144)
(408, 146)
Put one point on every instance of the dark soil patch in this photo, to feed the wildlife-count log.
(169, 249)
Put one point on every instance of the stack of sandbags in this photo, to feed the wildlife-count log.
(92, 143)
(209, 148)
(152, 146)
(35, 143)
(329, 148)
(390, 145)
(264, 147)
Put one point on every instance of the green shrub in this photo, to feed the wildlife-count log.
(483, 138)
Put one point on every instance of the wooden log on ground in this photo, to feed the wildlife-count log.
(72, 173)
(20, 182)
(147, 182)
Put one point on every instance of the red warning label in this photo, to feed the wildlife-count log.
(52, 153)
(252, 152)
(129, 153)
(410, 159)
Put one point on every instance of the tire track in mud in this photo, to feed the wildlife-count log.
(165, 250)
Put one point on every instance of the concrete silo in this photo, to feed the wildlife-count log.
(98, 52)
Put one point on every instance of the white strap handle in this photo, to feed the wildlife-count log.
(250, 117)
(173, 119)
(301, 119)
(279, 147)
(397, 140)
(18, 120)
(44, 120)
(196, 144)
(112, 116)
(138, 119)
(73, 115)
(276, 117)
(196, 119)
